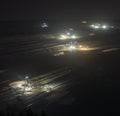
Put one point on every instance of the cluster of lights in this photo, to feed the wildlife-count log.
(44, 25)
(72, 47)
(48, 88)
(67, 36)
(27, 89)
(22, 87)
(99, 26)
(75, 47)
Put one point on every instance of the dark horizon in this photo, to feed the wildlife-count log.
(54, 10)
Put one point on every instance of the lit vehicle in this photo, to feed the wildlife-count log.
(44, 25)
(47, 88)
(68, 35)
(99, 26)
(72, 46)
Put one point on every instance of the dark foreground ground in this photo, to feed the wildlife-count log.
(94, 87)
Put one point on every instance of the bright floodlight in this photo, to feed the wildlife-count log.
(27, 89)
(63, 37)
(104, 26)
(92, 25)
(96, 26)
(73, 37)
(27, 77)
(80, 46)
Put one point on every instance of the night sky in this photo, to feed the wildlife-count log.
(41, 9)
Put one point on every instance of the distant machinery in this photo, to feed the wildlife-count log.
(44, 25)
